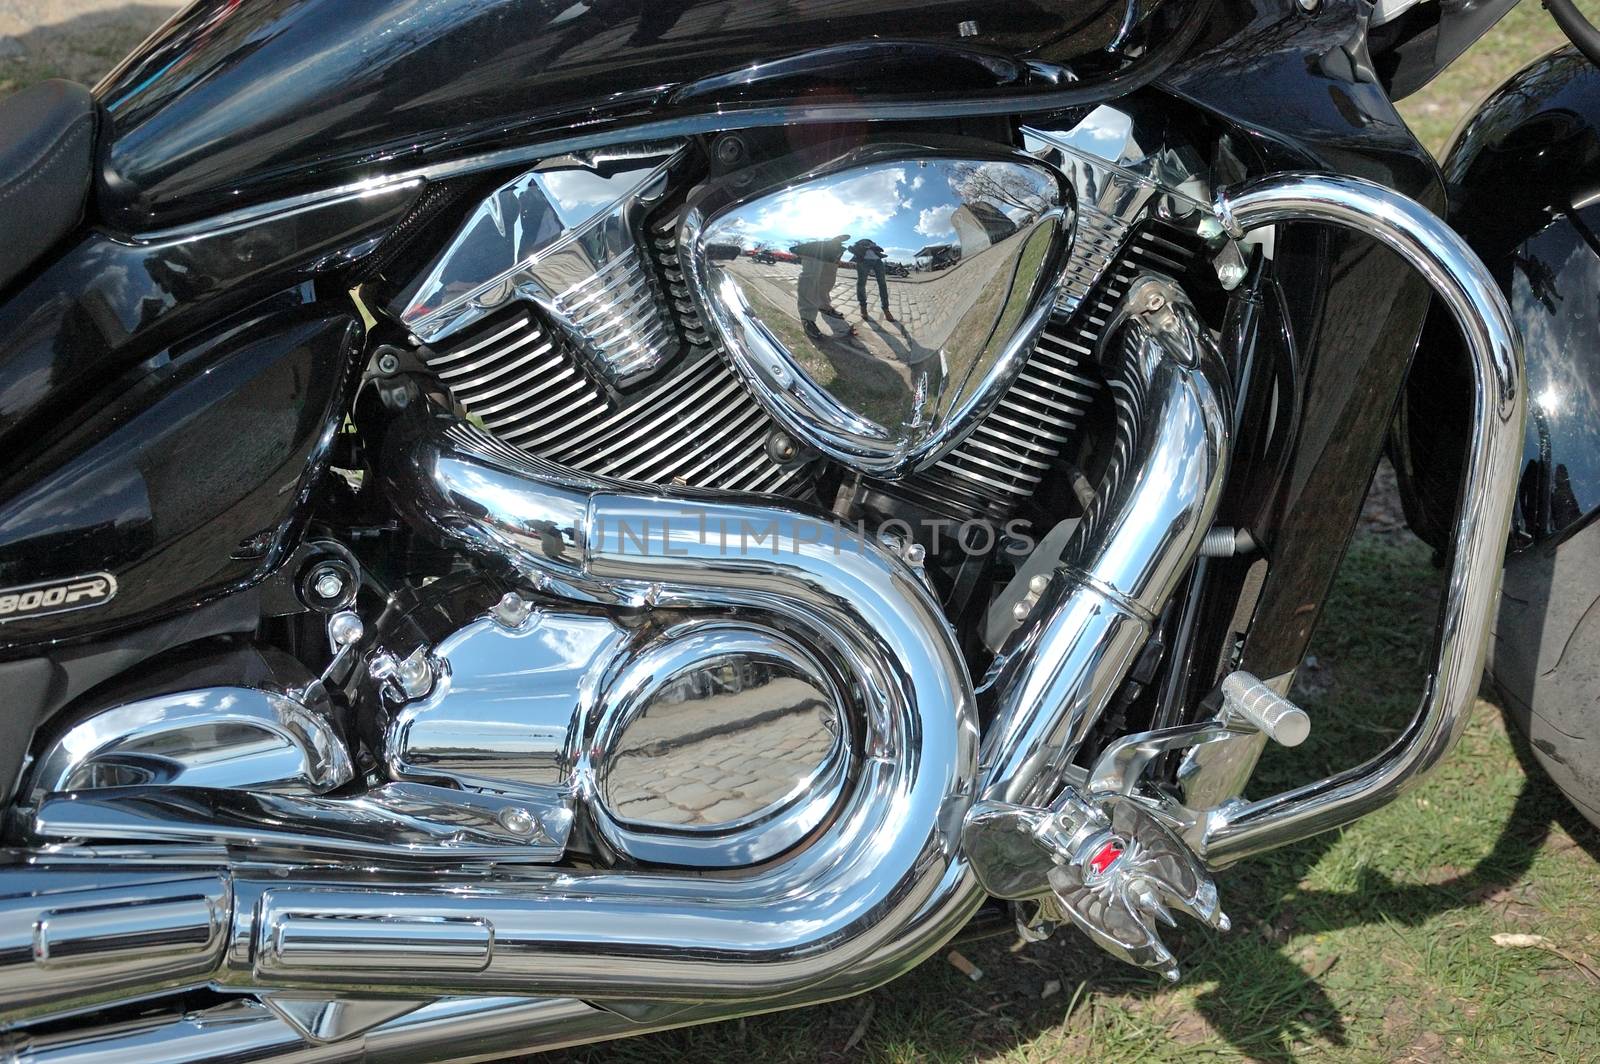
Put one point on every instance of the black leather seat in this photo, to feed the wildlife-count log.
(47, 137)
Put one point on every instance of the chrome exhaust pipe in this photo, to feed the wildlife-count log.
(885, 886)
(1053, 679)
(772, 930)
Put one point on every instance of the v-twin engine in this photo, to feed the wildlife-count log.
(563, 706)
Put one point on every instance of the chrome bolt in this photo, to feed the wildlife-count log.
(1037, 586)
(405, 680)
(782, 448)
(416, 674)
(518, 821)
(513, 610)
(328, 584)
(1309, 6)
(345, 629)
(1155, 302)
(1230, 274)
(388, 363)
(915, 555)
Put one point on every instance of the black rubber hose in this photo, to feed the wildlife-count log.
(1579, 30)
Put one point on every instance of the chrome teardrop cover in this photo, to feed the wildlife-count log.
(881, 305)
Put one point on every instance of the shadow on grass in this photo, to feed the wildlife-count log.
(1375, 637)
(1304, 1009)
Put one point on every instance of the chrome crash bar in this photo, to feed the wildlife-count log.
(1464, 285)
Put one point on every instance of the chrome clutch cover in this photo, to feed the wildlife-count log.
(880, 306)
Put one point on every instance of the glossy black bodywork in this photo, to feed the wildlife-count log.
(1524, 183)
(1342, 315)
(189, 484)
(96, 311)
(235, 103)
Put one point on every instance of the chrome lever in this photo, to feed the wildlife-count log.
(1123, 764)
(1248, 706)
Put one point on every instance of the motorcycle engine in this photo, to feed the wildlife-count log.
(588, 348)
(568, 316)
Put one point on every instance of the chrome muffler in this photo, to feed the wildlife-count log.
(770, 930)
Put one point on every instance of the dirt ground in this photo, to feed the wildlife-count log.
(76, 39)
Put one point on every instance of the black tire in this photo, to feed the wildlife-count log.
(1544, 658)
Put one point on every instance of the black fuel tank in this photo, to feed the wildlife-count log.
(237, 102)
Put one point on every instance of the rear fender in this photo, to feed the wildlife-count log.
(1523, 179)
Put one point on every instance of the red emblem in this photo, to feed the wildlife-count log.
(1105, 858)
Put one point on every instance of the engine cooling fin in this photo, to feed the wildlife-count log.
(1008, 456)
(695, 426)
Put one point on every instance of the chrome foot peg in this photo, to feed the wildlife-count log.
(1106, 862)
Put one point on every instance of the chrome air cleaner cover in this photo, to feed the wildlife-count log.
(881, 305)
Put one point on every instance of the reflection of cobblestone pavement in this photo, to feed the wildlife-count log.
(729, 767)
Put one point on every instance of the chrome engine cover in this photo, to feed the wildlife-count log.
(895, 392)
(709, 742)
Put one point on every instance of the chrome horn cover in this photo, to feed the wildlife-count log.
(884, 395)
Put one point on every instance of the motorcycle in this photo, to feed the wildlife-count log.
(453, 603)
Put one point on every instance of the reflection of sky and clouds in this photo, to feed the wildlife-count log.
(903, 207)
(1554, 285)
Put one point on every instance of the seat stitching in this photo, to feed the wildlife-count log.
(41, 166)
(70, 131)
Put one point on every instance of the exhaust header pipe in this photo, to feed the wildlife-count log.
(886, 885)
(883, 887)
(775, 929)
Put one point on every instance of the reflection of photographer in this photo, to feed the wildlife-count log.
(819, 267)
(869, 257)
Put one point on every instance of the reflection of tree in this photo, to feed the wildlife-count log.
(1542, 280)
(1002, 183)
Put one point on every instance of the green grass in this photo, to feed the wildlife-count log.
(1524, 34)
(1375, 943)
